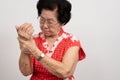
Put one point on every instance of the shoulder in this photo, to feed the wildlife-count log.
(71, 39)
(70, 36)
(73, 42)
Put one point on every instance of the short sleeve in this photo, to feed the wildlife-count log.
(73, 41)
(81, 54)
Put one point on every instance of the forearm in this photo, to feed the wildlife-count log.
(60, 69)
(25, 32)
(25, 64)
(57, 68)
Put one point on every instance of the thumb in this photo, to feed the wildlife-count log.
(17, 28)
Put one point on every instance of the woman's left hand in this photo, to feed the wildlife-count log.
(25, 31)
(25, 38)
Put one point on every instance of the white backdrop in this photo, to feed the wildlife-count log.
(95, 22)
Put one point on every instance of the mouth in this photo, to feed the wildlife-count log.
(45, 32)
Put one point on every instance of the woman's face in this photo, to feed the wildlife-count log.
(49, 23)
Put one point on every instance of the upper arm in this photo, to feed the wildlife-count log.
(72, 53)
(71, 58)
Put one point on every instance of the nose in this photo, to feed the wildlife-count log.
(45, 25)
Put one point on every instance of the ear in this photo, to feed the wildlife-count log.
(61, 25)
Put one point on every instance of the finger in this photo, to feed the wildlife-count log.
(18, 38)
(17, 28)
(21, 41)
(30, 31)
(23, 35)
(29, 26)
(26, 31)
(20, 29)
(22, 26)
(25, 28)
(20, 33)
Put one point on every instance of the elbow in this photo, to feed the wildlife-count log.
(65, 74)
(26, 73)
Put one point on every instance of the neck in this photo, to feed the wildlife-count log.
(51, 37)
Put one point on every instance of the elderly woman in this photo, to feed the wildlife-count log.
(52, 54)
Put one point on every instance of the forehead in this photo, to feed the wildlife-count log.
(48, 14)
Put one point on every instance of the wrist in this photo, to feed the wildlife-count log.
(25, 54)
(42, 55)
(38, 55)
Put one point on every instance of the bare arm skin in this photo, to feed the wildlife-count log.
(25, 64)
(65, 68)
(60, 69)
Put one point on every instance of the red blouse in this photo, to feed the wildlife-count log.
(57, 52)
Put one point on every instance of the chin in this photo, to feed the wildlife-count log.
(47, 35)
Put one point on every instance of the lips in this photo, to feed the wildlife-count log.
(46, 32)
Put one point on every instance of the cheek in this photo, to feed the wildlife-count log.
(55, 30)
(52, 30)
(41, 27)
